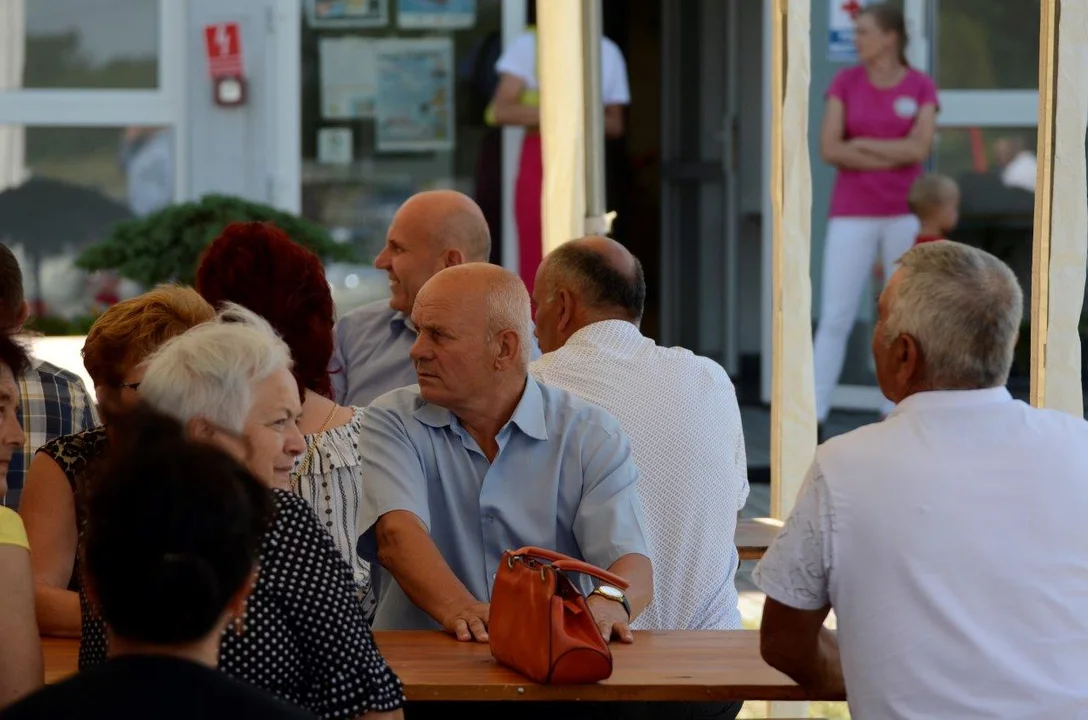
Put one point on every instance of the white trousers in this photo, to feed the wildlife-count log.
(850, 251)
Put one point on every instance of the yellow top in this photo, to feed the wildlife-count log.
(12, 531)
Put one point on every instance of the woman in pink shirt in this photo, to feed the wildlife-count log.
(877, 129)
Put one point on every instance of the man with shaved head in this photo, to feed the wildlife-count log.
(431, 231)
(479, 458)
(680, 411)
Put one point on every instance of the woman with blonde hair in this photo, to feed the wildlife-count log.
(119, 342)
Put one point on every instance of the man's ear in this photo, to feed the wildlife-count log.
(564, 310)
(453, 258)
(509, 349)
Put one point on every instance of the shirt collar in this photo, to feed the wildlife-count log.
(951, 399)
(609, 333)
(403, 320)
(528, 415)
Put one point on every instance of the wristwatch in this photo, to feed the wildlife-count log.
(615, 595)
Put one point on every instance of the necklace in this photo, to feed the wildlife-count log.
(304, 466)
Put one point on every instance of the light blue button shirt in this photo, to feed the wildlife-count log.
(371, 353)
(563, 479)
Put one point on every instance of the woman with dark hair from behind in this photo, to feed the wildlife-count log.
(169, 565)
(20, 648)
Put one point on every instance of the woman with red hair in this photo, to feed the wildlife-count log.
(259, 267)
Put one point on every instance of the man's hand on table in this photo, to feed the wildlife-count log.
(611, 619)
(469, 623)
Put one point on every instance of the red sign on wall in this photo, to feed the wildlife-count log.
(223, 44)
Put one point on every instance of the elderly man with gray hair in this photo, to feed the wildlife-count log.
(949, 537)
(480, 458)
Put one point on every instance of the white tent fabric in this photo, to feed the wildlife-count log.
(793, 399)
(12, 59)
(1068, 215)
(562, 120)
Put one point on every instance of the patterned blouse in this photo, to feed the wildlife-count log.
(333, 487)
(305, 637)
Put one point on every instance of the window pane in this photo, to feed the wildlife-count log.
(89, 44)
(74, 184)
(987, 44)
(357, 170)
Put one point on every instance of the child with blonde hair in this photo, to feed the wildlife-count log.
(935, 201)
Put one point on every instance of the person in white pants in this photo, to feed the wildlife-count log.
(878, 127)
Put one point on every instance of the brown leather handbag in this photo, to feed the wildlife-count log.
(539, 622)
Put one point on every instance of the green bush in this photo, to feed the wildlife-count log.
(166, 246)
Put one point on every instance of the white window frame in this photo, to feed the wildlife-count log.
(163, 106)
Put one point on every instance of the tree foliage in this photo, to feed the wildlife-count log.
(166, 246)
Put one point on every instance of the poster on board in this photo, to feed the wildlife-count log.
(348, 78)
(414, 107)
(333, 14)
(436, 14)
(840, 30)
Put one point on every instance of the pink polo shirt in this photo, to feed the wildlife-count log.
(881, 114)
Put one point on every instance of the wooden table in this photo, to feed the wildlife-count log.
(659, 666)
(755, 535)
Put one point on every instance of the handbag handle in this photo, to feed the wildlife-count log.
(566, 563)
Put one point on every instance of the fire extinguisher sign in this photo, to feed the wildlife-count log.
(223, 44)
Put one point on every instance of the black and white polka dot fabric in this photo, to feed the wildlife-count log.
(305, 639)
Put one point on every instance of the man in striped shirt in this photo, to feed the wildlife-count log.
(53, 401)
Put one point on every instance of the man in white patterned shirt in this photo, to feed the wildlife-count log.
(53, 401)
(680, 411)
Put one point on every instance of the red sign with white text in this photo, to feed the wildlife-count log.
(223, 44)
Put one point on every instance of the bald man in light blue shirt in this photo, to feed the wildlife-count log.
(479, 458)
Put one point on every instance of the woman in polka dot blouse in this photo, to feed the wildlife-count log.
(304, 637)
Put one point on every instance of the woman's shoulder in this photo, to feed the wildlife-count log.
(337, 448)
(847, 80)
(73, 452)
(850, 75)
(918, 80)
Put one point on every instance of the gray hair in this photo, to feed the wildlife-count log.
(508, 308)
(210, 371)
(963, 307)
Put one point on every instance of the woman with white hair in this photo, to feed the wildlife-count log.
(304, 637)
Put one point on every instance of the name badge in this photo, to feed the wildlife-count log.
(906, 107)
